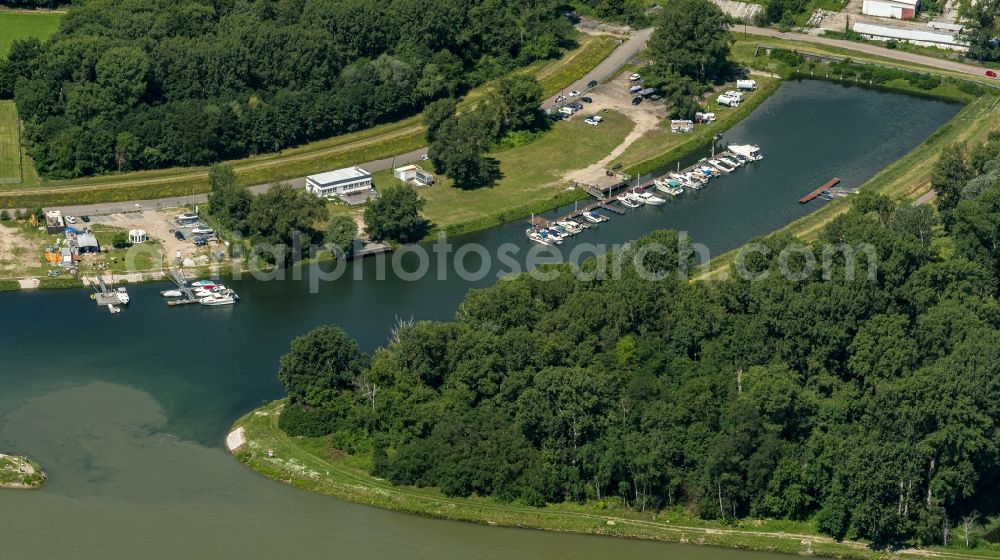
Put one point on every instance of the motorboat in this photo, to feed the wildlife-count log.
(201, 230)
(652, 199)
(203, 283)
(537, 238)
(719, 165)
(595, 217)
(635, 197)
(626, 200)
(549, 238)
(580, 223)
(571, 226)
(748, 151)
(122, 295)
(709, 171)
(171, 293)
(218, 299)
(680, 179)
(672, 186)
(731, 161)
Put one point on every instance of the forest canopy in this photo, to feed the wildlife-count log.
(138, 84)
(870, 405)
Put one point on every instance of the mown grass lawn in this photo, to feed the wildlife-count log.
(21, 25)
(10, 159)
(531, 174)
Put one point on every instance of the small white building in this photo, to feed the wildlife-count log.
(137, 236)
(914, 36)
(413, 174)
(896, 9)
(349, 184)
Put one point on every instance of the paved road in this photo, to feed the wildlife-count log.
(895, 54)
(610, 65)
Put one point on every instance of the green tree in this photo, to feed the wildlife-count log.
(518, 99)
(437, 114)
(981, 28)
(395, 215)
(321, 362)
(691, 39)
(460, 148)
(950, 175)
(340, 234)
(282, 221)
(228, 201)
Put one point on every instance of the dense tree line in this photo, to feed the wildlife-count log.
(630, 12)
(135, 84)
(871, 404)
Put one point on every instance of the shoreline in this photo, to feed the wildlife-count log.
(256, 441)
(20, 473)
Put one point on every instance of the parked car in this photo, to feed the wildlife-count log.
(576, 106)
(70, 220)
(179, 235)
(592, 84)
(86, 219)
(991, 74)
(586, 100)
(560, 98)
(557, 116)
(567, 110)
(634, 78)
(597, 118)
(591, 121)
(574, 93)
(636, 100)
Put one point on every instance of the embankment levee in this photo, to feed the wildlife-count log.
(257, 442)
(20, 473)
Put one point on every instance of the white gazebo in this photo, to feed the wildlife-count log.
(136, 236)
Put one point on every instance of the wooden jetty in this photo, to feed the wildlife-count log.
(826, 186)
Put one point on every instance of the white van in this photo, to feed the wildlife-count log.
(746, 85)
(568, 111)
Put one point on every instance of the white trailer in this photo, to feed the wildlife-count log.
(746, 85)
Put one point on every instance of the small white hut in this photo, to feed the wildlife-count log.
(136, 236)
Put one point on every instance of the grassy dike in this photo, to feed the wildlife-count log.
(313, 464)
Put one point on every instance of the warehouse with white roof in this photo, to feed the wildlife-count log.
(914, 36)
(353, 185)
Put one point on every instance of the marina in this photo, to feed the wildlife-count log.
(199, 292)
(108, 296)
(695, 177)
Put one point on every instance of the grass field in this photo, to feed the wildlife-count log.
(531, 175)
(10, 155)
(21, 25)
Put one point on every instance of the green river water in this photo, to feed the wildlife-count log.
(128, 413)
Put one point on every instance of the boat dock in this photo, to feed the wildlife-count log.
(608, 192)
(820, 191)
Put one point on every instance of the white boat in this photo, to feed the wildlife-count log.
(202, 283)
(172, 293)
(626, 200)
(534, 236)
(652, 199)
(571, 226)
(634, 197)
(594, 217)
(672, 187)
(122, 295)
(113, 309)
(551, 239)
(203, 231)
(748, 151)
(683, 180)
(719, 165)
(732, 161)
(709, 171)
(218, 299)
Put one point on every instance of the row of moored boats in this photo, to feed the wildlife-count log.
(205, 292)
(699, 175)
(554, 233)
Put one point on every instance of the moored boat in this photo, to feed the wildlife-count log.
(748, 151)
(651, 199)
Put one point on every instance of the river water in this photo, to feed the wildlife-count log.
(128, 413)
